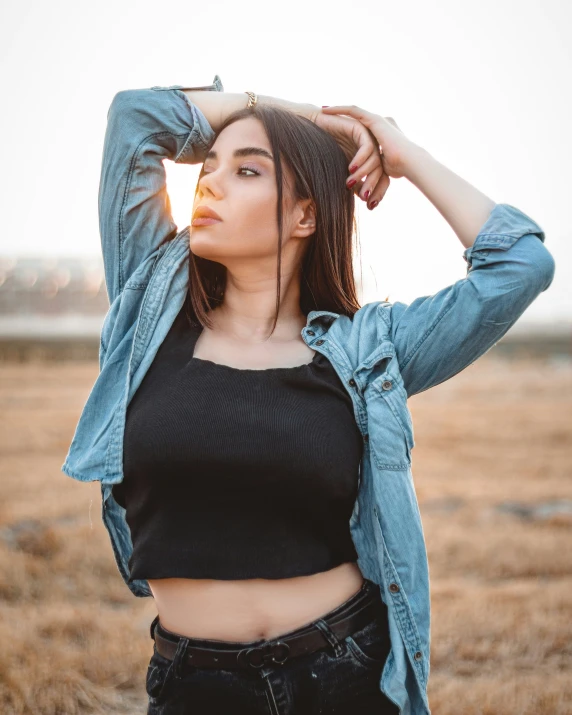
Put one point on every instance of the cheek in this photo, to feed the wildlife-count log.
(257, 217)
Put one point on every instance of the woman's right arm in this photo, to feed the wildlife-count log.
(144, 127)
(217, 107)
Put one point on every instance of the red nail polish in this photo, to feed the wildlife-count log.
(325, 105)
(366, 195)
(373, 205)
(351, 183)
(353, 168)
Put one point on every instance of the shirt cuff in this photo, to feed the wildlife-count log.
(504, 226)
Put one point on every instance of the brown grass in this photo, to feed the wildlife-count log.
(74, 639)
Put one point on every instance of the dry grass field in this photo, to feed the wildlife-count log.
(493, 472)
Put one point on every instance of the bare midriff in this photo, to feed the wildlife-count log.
(251, 609)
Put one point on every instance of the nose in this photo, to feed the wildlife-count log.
(209, 184)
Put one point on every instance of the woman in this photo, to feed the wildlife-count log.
(249, 425)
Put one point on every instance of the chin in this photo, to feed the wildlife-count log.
(202, 247)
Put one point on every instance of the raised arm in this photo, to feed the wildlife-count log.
(144, 127)
(437, 336)
(217, 107)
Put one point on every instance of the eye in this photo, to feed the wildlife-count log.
(248, 168)
(241, 168)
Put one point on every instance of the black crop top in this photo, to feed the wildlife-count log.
(234, 473)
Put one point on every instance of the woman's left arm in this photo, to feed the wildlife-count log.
(508, 266)
(463, 206)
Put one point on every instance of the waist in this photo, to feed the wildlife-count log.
(252, 608)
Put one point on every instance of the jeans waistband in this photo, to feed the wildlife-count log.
(329, 630)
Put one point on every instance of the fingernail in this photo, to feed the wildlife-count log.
(366, 195)
(325, 105)
(351, 183)
(353, 168)
(373, 205)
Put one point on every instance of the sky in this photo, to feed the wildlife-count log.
(484, 86)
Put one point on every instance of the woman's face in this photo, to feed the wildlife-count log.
(241, 189)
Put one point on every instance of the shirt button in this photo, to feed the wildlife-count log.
(352, 382)
(319, 342)
(310, 332)
(387, 384)
(393, 587)
(418, 655)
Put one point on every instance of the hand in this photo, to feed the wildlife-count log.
(394, 145)
(352, 136)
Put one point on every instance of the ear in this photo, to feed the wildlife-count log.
(306, 219)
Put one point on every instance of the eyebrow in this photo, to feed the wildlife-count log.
(244, 151)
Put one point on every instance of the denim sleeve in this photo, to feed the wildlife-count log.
(437, 336)
(144, 126)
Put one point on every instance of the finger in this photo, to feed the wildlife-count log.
(370, 183)
(364, 189)
(366, 148)
(358, 113)
(379, 191)
(359, 160)
(372, 163)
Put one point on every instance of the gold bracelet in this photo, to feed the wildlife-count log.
(252, 99)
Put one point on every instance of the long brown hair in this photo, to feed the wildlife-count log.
(320, 169)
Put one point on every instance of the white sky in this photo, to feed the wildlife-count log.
(484, 86)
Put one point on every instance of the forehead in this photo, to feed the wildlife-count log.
(249, 131)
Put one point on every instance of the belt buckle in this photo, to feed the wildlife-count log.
(258, 656)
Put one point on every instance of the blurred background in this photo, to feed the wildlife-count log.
(486, 88)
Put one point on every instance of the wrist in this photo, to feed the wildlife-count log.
(217, 106)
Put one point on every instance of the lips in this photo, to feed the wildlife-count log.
(205, 212)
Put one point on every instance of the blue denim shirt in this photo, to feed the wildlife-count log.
(385, 354)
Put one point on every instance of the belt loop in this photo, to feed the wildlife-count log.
(178, 660)
(152, 626)
(330, 636)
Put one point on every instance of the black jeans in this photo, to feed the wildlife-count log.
(342, 678)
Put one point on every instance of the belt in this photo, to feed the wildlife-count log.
(274, 651)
